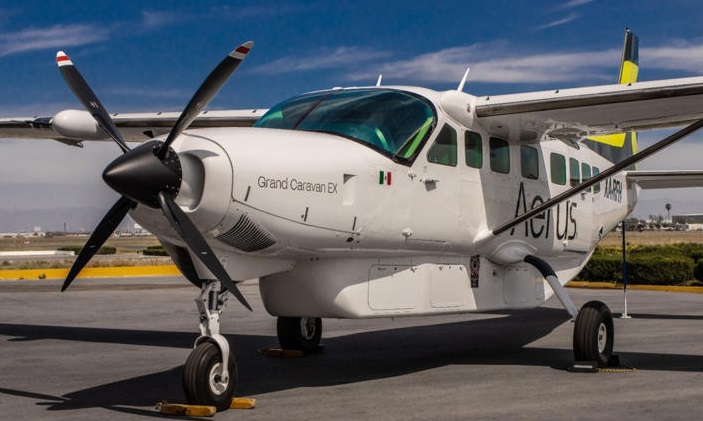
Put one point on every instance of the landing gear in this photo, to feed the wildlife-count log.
(203, 382)
(594, 334)
(299, 333)
(210, 372)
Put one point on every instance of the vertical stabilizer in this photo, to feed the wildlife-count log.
(619, 146)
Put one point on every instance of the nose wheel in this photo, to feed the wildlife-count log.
(299, 333)
(203, 380)
(210, 372)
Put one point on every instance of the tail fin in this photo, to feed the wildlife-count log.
(617, 147)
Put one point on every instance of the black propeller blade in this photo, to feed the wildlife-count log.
(206, 92)
(88, 98)
(151, 174)
(195, 241)
(103, 231)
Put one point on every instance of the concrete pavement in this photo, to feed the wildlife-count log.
(112, 348)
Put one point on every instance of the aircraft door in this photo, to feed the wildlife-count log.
(434, 216)
(575, 225)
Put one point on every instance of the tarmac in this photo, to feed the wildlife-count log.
(111, 348)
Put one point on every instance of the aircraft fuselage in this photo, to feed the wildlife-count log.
(338, 227)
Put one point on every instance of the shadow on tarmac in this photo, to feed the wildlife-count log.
(348, 359)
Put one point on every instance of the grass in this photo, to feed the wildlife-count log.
(123, 244)
(128, 252)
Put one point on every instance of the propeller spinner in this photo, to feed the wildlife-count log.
(151, 173)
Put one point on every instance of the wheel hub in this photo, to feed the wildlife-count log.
(217, 385)
(602, 337)
(307, 327)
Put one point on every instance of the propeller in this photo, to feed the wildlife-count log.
(88, 98)
(206, 92)
(151, 174)
(101, 233)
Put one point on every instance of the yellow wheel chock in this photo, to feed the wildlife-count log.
(201, 410)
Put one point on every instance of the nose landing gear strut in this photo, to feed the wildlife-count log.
(210, 372)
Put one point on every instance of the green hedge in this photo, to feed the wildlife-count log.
(154, 251)
(102, 250)
(668, 264)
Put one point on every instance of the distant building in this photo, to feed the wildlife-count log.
(22, 234)
(694, 221)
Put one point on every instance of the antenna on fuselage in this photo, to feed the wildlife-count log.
(463, 80)
(380, 78)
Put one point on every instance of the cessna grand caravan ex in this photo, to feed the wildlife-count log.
(380, 201)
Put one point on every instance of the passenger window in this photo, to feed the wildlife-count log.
(500, 155)
(557, 165)
(574, 172)
(473, 149)
(529, 162)
(596, 187)
(443, 151)
(586, 172)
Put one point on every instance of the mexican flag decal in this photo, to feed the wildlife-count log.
(384, 177)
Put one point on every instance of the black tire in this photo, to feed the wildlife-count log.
(594, 333)
(200, 382)
(299, 333)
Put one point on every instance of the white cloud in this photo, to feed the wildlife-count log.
(71, 35)
(498, 63)
(678, 55)
(325, 59)
(57, 36)
(571, 4)
(152, 19)
(570, 17)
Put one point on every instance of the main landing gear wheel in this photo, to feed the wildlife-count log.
(202, 382)
(299, 333)
(594, 333)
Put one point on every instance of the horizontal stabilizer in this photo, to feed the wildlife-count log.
(666, 179)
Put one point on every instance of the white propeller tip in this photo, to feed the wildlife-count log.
(242, 51)
(62, 59)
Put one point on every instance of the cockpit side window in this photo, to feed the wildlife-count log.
(396, 123)
(443, 150)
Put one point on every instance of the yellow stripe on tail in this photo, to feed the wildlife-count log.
(629, 69)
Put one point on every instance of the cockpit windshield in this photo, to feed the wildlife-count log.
(393, 122)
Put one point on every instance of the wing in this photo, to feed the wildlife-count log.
(74, 126)
(572, 114)
(666, 179)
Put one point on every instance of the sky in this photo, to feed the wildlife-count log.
(152, 56)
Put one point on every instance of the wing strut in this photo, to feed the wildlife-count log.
(603, 175)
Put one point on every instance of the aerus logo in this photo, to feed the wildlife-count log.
(540, 225)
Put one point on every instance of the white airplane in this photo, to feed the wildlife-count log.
(381, 201)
